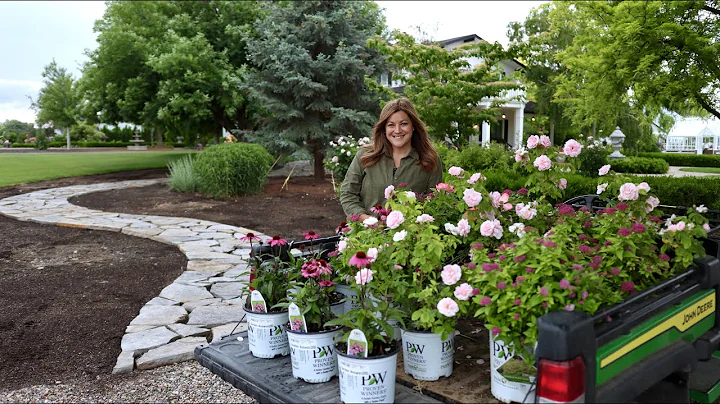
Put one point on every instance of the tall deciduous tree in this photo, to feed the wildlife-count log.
(442, 85)
(57, 102)
(310, 65)
(171, 65)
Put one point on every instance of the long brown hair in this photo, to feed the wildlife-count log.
(420, 140)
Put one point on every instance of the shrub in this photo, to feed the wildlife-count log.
(688, 160)
(596, 152)
(231, 169)
(341, 153)
(490, 156)
(640, 165)
(182, 176)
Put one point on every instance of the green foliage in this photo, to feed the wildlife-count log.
(595, 155)
(341, 154)
(85, 132)
(444, 88)
(448, 155)
(182, 176)
(688, 160)
(232, 169)
(640, 165)
(310, 63)
(478, 158)
(41, 142)
(58, 100)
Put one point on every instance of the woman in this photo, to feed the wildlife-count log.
(400, 153)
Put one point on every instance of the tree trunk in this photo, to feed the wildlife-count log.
(318, 156)
(159, 137)
(594, 129)
(552, 131)
(218, 134)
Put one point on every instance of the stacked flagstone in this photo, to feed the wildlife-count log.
(202, 305)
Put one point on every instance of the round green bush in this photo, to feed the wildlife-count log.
(640, 165)
(232, 169)
(491, 156)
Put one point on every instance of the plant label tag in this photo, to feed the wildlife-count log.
(297, 320)
(258, 302)
(357, 344)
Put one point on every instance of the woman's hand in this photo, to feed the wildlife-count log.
(363, 216)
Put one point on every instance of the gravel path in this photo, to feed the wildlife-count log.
(186, 382)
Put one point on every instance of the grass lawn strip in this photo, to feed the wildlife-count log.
(708, 170)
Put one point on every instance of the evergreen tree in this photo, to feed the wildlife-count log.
(310, 65)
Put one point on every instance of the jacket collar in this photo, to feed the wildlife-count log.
(413, 153)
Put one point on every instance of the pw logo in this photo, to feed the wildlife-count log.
(374, 378)
(322, 351)
(415, 348)
(447, 346)
(276, 330)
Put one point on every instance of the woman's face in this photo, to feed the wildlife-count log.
(399, 130)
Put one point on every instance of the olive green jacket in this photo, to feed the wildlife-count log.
(364, 188)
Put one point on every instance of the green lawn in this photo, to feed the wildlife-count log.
(26, 168)
(709, 170)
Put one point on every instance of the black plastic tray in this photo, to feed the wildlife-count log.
(271, 380)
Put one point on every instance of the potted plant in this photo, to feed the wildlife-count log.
(271, 277)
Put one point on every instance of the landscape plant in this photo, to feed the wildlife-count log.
(341, 153)
(232, 169)
(182, 176)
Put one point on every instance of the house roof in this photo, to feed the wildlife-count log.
(470, 38)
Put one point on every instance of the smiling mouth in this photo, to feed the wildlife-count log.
(397, 136)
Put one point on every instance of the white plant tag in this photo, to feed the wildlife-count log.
(257, 302)
(297, 320)
(357, 344)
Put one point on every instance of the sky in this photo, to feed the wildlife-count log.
(35, 32)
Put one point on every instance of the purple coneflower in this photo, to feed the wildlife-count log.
(249, 238)
(360, 259)
(310, 235)
(276, 240)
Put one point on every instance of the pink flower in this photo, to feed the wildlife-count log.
(356, 349)
(496, 331)
(250, 237)
(545, 141)
(424, 218)
(518, 302)
(463, 292)
(363, 276)
(501, 285)
(562, 184)
(472, 197)
(489, 267)
(543, 163)
(706, 227)
(664, 257)
(370, 222)
(447, 307)
(628, 286)
(570, 307)
(572, 148)
(402, 185)
(485, 301)
(342, 245)
(354, 218)
(615, 271)
(326, 283)
(519, 258)
(456, 171)
(584, 295)
(601, 188)
(526, 212)
(389, 191)
(644, 186)
(360, 260)
(474, 178)
(463, 228)
(444, 187)
(652, 203)
(628, 192)
(624, 231)
(451, 274)
(604, 170)
(276, 241)
(395, 219)
(564, 284)
(491, 228)
(638, 228)
(533, 141)
(372, 253)
(516, 316)
(310, 235)
(543, 291)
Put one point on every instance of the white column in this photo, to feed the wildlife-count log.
(485, 132)
(519, 121)
(699, 143)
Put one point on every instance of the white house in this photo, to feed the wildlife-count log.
(694, 135)
(514, 106)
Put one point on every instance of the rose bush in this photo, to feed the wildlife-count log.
(341, 153)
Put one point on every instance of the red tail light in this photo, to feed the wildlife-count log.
(561, 381)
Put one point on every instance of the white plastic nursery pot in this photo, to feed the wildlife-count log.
(510, 377)
(426, 356)
(313, 355)
(267, 335)
(367, 380)
(338, 308)
(349, 293)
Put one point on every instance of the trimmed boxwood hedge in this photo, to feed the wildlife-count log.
(688, 160)
(640, 165)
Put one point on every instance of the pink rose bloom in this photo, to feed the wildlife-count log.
(505, 196)
(563, 183)
(472, 197)
(451, 274)
(706, 227)
(628, 192)
(425, 218)
(444, 187)
(680, 225)
(463, 292)
(533, 141)
(363, 276)
(463, 228)
(491, 228)
(644, 186)
(495, 196)
(545, 141)
(570, 307)
(395, 219)
(601, 188)
(652, 203)
(572, 148)
(371, 221)
(456, 171)
(342, 245)
(518, 157)
(389, 191)
(508, 206)
(447, 307)
(474, 178)
(372, 254)
(604, 169)
(525, 211)
(543, 163)
(410, 194)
